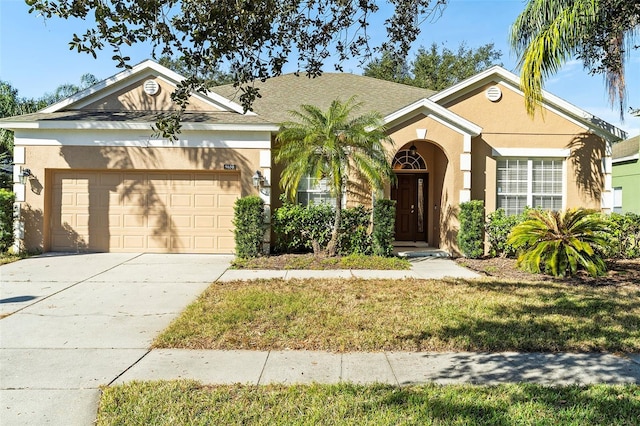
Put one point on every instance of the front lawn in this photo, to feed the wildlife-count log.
(186, 402)
(413, 315)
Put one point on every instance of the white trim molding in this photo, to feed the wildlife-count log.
(635, 157)
(465, 162)
(19, 190)
(436, 112)
(465, 195)
(531, 152)
(229, 139)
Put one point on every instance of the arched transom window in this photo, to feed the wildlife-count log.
(404, 160)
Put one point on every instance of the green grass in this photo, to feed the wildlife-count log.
(309, 261)
(414, 315)
(10, 258)
(187, 402)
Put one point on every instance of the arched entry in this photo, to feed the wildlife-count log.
(410, 194)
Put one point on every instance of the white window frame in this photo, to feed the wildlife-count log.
(617, 199)
(530, 194)
(320, 187)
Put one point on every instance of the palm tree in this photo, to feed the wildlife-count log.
(560, 241)
(329, 145)
(550, 32)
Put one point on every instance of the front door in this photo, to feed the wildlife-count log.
(411, 215)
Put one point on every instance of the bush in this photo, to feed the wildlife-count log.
(558, 243)
(623, 236)
(384, 222)
(471, 234)
(498, 227)
(249, 226)
(7, 198)
(354, 231)
(298, 228)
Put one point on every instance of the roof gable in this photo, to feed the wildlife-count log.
(124, 91)
(438, 113)
(550, 102)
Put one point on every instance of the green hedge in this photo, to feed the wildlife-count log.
(471, 234)
(623, 237)
(354, 232)
(498, 227)
(384, 223)
(296, 227)
(249, 226)
(7, 198)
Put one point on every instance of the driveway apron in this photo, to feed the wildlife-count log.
(71, 323)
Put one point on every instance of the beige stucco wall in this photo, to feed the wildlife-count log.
(45, 160)
(133, 98)
(505, 124)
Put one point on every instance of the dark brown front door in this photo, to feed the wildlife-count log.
(410, 195)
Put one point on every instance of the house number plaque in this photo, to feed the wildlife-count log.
(229, 166)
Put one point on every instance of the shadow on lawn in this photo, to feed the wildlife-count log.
(498, 407)
(561, 369)
(548, 318)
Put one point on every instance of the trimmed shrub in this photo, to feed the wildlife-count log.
(249, 226)
(354, 231)
(623, 236)
(7, 199)
(384, 220)
(471, 234)
(299, 228)
(497, 228)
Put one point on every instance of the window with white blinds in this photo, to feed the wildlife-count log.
(314, 191)
(529, 182)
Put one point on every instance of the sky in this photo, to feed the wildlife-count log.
(35, 57)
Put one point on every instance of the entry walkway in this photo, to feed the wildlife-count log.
(71, 324)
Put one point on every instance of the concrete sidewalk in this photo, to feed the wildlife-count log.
(396, 368)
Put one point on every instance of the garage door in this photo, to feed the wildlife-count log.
(181, 212)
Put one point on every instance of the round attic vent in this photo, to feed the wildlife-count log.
(151, 87)
(493, 93)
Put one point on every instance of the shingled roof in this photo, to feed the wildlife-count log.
(627, 148)
(287, 92)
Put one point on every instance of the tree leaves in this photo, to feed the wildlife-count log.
(255, 38)
(599, 32)
(436, 67)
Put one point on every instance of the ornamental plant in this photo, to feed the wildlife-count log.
(559, 243)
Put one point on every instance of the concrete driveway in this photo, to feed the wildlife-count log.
(74, 322)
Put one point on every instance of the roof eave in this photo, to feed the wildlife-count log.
(100, 125)
(436, 111)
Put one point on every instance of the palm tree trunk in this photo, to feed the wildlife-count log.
(332, 247)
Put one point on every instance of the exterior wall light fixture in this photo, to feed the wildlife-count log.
(25, 175)
(258, 179)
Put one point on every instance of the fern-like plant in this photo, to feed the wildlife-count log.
(559, 242)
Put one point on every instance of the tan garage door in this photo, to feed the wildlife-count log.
(182, 212)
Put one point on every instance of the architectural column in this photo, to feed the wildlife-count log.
(465, 168)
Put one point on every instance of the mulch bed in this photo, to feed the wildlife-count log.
(621, 272)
